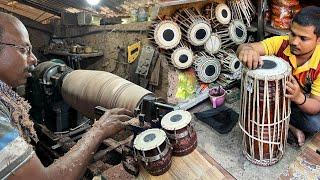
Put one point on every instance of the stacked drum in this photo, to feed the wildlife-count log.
(265, 111)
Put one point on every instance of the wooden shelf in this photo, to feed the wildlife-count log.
(268, 28)
(83, 56)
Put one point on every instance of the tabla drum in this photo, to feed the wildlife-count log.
(182, 136)
(182, 57)
(208, 68)
(265, 111)
(242, 9)
(167, 34)
(213, 44)
(153, 148)
(229, 61)
(223, 13)
(196, 28)
(234, 34)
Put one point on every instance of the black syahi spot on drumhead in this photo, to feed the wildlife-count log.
(176, 118)
(267, 64)
(149, 137)
(168, 35)
(239, 32)
(201, 34)
(210, 70)
(237, 65)
(183, 58)
(224, 13)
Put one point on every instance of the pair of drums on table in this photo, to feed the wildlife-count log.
(155, 147)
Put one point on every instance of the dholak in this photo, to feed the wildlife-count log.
(153, 148)
(177, 125)
(265, 111)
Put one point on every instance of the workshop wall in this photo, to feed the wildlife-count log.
(39, 40)
(113, 40)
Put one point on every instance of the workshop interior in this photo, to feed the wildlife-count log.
(174, 64)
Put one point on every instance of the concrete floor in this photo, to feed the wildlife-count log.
(226, 149)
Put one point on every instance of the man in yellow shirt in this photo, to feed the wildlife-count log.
(301, 48)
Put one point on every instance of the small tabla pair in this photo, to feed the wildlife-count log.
(155, 147)
(265, 111)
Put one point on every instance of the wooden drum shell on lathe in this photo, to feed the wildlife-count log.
(86, 89)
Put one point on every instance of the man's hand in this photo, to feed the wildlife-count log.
(293, 91)
(249, 56)
(112, 121)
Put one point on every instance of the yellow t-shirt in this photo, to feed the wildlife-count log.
(272, 46)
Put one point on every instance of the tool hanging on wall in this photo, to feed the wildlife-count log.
(134, 51)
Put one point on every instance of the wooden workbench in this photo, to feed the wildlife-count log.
(197, 165)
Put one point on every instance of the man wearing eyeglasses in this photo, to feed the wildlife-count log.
(17, 157)
(301, 49)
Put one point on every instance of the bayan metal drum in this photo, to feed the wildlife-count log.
(182, 57)
(177, 125)
(265, 111)
(166, 34)
(234, 34)
(153, 148)
(213, 44)
(196, 28)
(208, 68)
(229, 61)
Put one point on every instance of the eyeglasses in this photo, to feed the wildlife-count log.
(25, 50)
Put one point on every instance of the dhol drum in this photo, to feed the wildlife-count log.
(208, 68)
(265, 111)
(166, 34)
(153, 149)
(229, 61)
(182, 57)
(196, 28)
(213, 45)
(234, 34)
(217, 13)
(242, 9)
(177, 125)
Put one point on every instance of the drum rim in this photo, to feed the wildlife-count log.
(218, 9)
(261, 75)
(207, 44)
(178, 64)
(139, 138)
(233, 36)
(160, 41)
(168, 125)
(191, 32)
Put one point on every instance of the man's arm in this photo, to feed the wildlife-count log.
(309, 105)
(249, 54)
(73, 164)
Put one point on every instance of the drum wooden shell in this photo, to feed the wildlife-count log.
(234, 34)
(229, 61)
(265, 111)
(182, 145)
(156, 160)
(86, 89)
